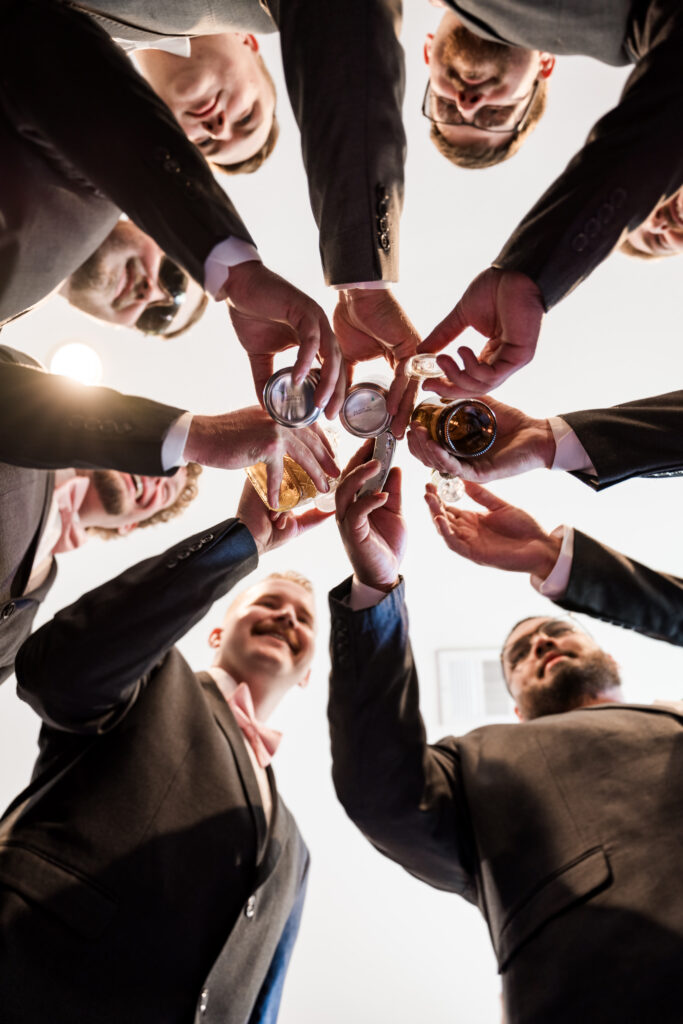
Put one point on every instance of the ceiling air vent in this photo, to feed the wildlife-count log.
(471, 687)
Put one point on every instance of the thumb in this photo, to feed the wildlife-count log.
(446, 331)
(261, 370)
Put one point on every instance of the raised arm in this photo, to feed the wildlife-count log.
(345, 76)
(49, 422)
(82, 669)
(617, 589)
(402, 793)
(633, 158)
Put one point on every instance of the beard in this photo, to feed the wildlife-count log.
(461, 45)
(97, 273)
(570, 684)
(111, 491)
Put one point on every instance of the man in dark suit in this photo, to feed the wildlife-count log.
(129, 282)
(633, 159)
(551, 827)
(150, 871)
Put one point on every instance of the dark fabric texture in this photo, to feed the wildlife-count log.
(633, 157)
(138, 878)
(551, 827)
(641, 438)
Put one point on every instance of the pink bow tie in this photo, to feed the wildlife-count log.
(262, 739)
(69, 497)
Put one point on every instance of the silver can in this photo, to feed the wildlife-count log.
(364, 412)
(290, 404)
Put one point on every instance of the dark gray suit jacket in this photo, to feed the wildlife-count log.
(138, 879)
(640, 438)
(634, 154)
(565, 831)
(105, 140)
(48, 422)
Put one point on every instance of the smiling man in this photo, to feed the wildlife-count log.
(483, 98)
(185, 871)
(661, 234)
(47, 513)
(129, 282)
(565, 830)
(221, 94)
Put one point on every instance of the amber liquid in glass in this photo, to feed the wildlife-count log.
(464, 428)
(296, 487)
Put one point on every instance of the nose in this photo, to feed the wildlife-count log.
(286, 616)
(542, 645)
(469, 98)
(215, 125)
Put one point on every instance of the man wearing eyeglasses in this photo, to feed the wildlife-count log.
(128, 281)
(632, 160)
(565, 830)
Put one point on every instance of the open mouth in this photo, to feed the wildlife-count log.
(138, 485)
(549, 661)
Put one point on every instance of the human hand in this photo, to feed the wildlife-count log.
(370, 323)
(270, 315)
(372, 527)
(507, 308)
(270, 530)
(505, 537)
(241, 438)
(522, 443)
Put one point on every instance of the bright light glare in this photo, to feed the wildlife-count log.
(78, 361)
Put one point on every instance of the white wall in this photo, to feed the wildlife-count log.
(375, 944)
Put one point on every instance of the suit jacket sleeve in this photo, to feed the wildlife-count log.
(104, 126)
(50, 422)
(403, 794)
(612, 587)
(632, 159)
(345, 75)
(641, 438)
(82, 670)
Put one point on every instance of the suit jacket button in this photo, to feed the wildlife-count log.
(618, 196)
(579, 242)
(593, 227)
(383, 239)
(382, 223)
(8, 610)
(250, 908)
(606, 212)
(172, 166)
(204, 1000)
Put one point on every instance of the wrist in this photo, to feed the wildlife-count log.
(546, 556)
(239, 276)
(545, 442)
(383, 585)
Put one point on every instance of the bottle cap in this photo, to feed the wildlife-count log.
(421, 367)
(364, 412)
(289, 404)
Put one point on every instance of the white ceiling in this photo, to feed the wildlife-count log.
(616, 338)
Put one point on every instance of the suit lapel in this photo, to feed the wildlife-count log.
(233, 734)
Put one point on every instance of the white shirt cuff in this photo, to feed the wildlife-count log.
(368, 285)
(570, 454)
(364, 596)
(556, 583)
(174, 442)
(226, 254)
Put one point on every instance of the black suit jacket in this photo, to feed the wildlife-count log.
(138, 880)
(633, 155)
(565, 831)
(641, 438)
(48, 422)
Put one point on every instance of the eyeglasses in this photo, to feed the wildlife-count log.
(158, 316)
(440, 110)
(519, 649)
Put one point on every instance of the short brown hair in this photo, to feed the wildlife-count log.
(252, 163)
(482, 155)
(294, 577)
(630, 250)
(186, 496)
